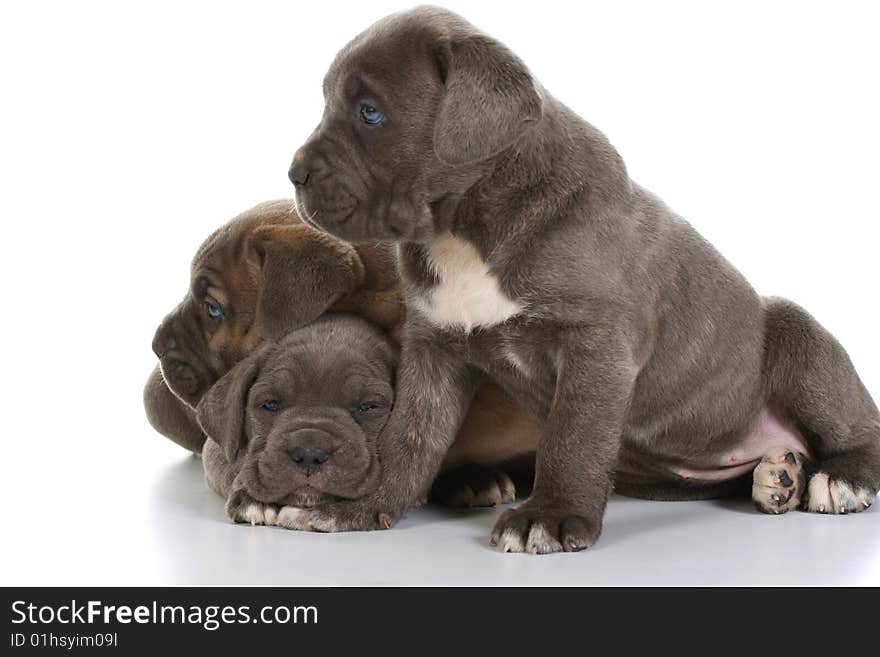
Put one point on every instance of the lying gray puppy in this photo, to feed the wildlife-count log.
(528, 253)
(295, 423)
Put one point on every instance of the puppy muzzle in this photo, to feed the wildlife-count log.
(304, 462)
(333, 197)
(185, 372)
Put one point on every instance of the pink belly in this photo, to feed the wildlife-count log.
(771, 429)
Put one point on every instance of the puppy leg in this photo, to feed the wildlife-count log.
(779, 481)
(809, 373)
(579, 450)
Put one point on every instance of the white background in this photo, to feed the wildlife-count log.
(128, 131)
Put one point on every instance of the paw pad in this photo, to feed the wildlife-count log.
(778, 481)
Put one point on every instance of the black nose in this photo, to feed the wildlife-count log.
(309, 458)
(298, 174)
(163, 341)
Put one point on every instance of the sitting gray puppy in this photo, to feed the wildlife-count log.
(295, 423)
(528, 254)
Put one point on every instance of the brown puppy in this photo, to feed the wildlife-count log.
(264, 274)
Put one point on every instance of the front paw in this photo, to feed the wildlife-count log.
(242, 508)
(542, 529)
(355, 516)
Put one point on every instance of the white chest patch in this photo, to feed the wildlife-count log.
(467, 295)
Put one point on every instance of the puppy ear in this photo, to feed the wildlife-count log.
(170, 416)
(221, 411)
(490, 102)
(305, 272)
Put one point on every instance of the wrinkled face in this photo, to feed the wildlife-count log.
(300, 418)
(213, 327)
(367, 171)
(416, 109)
(261, 275)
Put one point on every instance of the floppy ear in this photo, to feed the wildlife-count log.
(490, 101)
(305, 272)
(221, 411)
(170, 416)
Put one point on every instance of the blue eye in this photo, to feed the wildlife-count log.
(214, 311)
(272, 405)
(371, 115)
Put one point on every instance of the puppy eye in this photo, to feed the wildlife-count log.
(272, 405)
(370, 115)
(214, 311)
(366, 407)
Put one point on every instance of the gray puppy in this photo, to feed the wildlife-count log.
(529, 254)
(295, 423)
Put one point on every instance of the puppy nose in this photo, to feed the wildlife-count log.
(163, 341)
(309, 458)
(298, 174)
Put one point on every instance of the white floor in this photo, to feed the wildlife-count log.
(163, 526)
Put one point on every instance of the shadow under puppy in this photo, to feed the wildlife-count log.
(266, 273)
(295, 423)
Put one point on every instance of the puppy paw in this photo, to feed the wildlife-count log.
(827, 494)
(536, 529)
(351, 516)
(473, 485)
(293, 517)
(241, 508)
(779, 481)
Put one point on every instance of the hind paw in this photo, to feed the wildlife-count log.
(473, 485)
(836, 496)
(779, 481)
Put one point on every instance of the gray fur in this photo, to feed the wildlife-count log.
(321, 376)
(642, 346)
